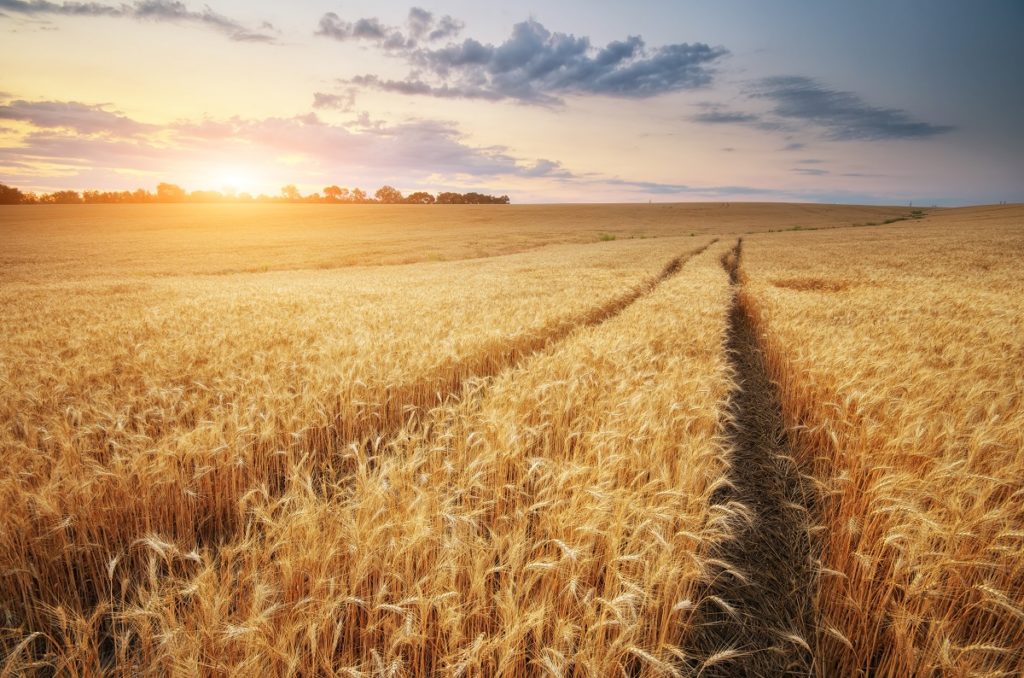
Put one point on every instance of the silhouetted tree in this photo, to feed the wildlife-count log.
(169, 193)
(471, 198)
(65, 198)
(334, 193)
(9, 195)
(420, 198)
(449, 198)
(388, 195)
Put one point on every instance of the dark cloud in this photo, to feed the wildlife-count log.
(534, 65)
(414, 86)
(82, 118)
(341, 102)
(810, 172)
(844, 116)
(714, 114)
(421, 26)
(797, 102)
(151, 10)
(68, 8)
(717, 114)
(794, 146)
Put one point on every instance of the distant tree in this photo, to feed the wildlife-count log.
(448, 198)
(9, 195)
(388, 195)
(471, 198)
(170, 193)
(206, 196)
(65, 198)
(420, 198)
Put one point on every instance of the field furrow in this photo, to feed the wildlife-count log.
(757, 619)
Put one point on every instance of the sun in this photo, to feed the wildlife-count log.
(232, 180)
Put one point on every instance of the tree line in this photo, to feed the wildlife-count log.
(172, 193)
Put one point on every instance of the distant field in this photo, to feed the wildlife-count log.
(84, 241)
(512, 440)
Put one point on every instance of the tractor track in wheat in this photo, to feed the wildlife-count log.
(756, 614)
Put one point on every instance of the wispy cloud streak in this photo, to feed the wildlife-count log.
(144, 10)
(797, 103)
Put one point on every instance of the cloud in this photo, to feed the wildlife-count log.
(424, 25)
(844, 116)
(715, 114)
(533, 65)
(341, 102)
(421, 26)
(81, 118)
(74, 145)
(414, 86)
(809, 171)
(67, 8)
(422, 146)
(657, 188)
(145, 10)
(76, 141)
(796, 103)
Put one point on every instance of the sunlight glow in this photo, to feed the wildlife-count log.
(233, 180)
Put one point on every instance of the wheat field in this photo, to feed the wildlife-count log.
(729, 439)
(899, 356)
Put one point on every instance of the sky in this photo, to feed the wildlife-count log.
(875, 101)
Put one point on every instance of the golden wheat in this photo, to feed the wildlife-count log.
(899, 356)
(132, 241)
(233, 446)
(138, 417)
(550, 520)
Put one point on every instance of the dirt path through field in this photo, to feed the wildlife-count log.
(406, 407)
(409, 401)
(757, 614)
